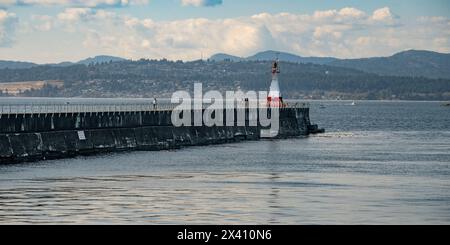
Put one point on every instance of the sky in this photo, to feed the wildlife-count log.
(52, 31)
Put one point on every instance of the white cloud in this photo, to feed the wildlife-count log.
(352, 12)
(382, 14)
(344, 33)
(325, 14)
(199, 3)
(182, 39)
(145, 43)
(347, 32)
(326, 31)
(76, 14)
(8, 22)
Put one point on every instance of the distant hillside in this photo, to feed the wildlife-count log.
(15, 64)
(160, 78)
(270, 55)
(225, 57)
(100, 59)
(287, 57)
(91, 60)
(62, 64)
(412, 63)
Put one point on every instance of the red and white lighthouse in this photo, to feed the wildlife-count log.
(274, 98)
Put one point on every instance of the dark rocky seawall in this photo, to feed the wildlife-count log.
(31, 137)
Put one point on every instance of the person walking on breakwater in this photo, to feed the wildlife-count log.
(155, 102)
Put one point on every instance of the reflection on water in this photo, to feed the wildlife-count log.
(399, 175)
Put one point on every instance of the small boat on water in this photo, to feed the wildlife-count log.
(353, 103)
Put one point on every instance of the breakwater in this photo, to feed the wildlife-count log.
(31, 136)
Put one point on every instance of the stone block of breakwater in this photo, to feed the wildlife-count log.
(26, 137)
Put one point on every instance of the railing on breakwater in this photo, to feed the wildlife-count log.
(46, 108)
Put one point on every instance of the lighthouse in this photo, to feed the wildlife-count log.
(274, 98)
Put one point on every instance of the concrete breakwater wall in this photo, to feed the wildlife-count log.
(29, 137)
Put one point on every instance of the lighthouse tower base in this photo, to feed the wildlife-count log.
(274, 98)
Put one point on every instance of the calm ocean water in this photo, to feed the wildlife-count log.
(379, 163)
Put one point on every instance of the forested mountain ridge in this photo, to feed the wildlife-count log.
(412, 63)
(150, 78)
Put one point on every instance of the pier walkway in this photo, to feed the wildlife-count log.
(71, 107)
